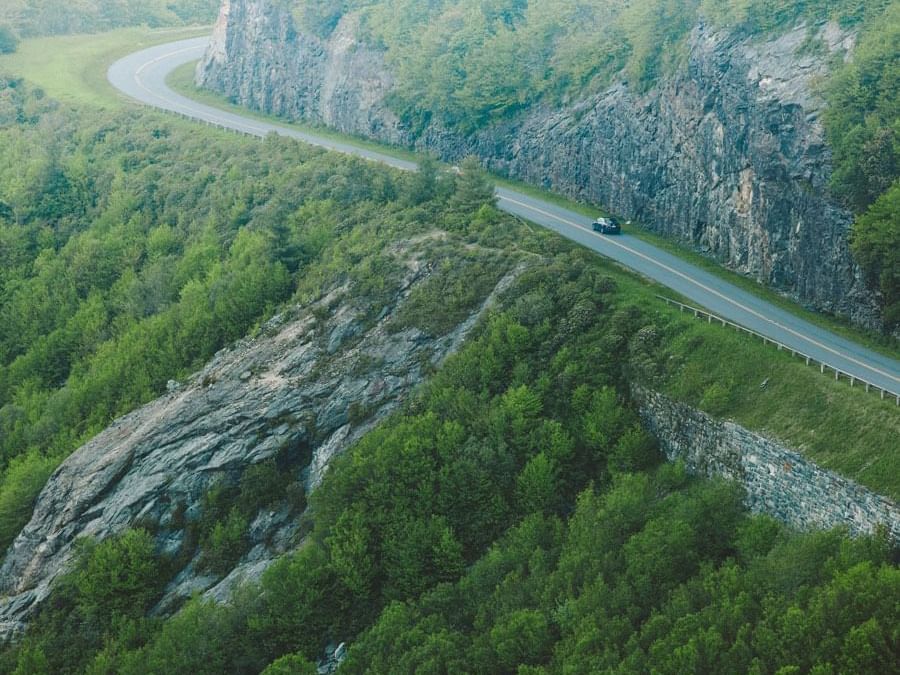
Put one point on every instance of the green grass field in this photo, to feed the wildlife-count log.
(72, 68)
(843, 429)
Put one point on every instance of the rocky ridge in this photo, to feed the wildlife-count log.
(314, 381)
(728, 154)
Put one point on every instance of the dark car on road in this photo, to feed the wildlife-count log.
(607, 226)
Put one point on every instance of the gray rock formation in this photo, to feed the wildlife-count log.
(290, 390)
(727, 155)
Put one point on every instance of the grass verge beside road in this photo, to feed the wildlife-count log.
(735, 376)
(181, 80)
(72, 68)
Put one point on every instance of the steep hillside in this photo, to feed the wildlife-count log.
(363, 405)
(703, 123)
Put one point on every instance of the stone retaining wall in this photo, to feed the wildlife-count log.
(778, 481)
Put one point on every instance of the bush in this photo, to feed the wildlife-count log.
(225, 544)
(22, 482)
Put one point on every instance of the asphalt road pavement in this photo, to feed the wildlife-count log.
(142, 76)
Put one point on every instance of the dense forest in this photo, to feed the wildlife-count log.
(130, 252)
(513, 517)
(467, 64)
(30, 18)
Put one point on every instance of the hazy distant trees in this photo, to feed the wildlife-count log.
(32, 18)
(8, 40)
(473, 187)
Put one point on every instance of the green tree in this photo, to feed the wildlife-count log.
(537, 486)
(350, 545)
(22, 481)
(473, 188)
(522, 637)
(291, 664)
(120, 576)
(226, 543)
(876, 244)
(423, 184)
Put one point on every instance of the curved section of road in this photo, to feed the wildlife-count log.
(142, 76)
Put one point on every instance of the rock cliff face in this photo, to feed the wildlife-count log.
(316, 380)
(727, 155)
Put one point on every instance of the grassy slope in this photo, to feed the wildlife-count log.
(841, 428)
(72, 68)
(847, 430)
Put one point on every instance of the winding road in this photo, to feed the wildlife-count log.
(142, 76)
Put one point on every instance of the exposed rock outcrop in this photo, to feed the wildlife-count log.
(310, 385)
(727, 155)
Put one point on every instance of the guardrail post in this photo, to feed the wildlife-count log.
(699, 314)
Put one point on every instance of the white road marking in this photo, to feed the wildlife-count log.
(699, 284)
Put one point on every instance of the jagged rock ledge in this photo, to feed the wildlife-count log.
(290, 390)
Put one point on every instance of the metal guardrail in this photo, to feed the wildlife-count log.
(211, 123)
(823, 367)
